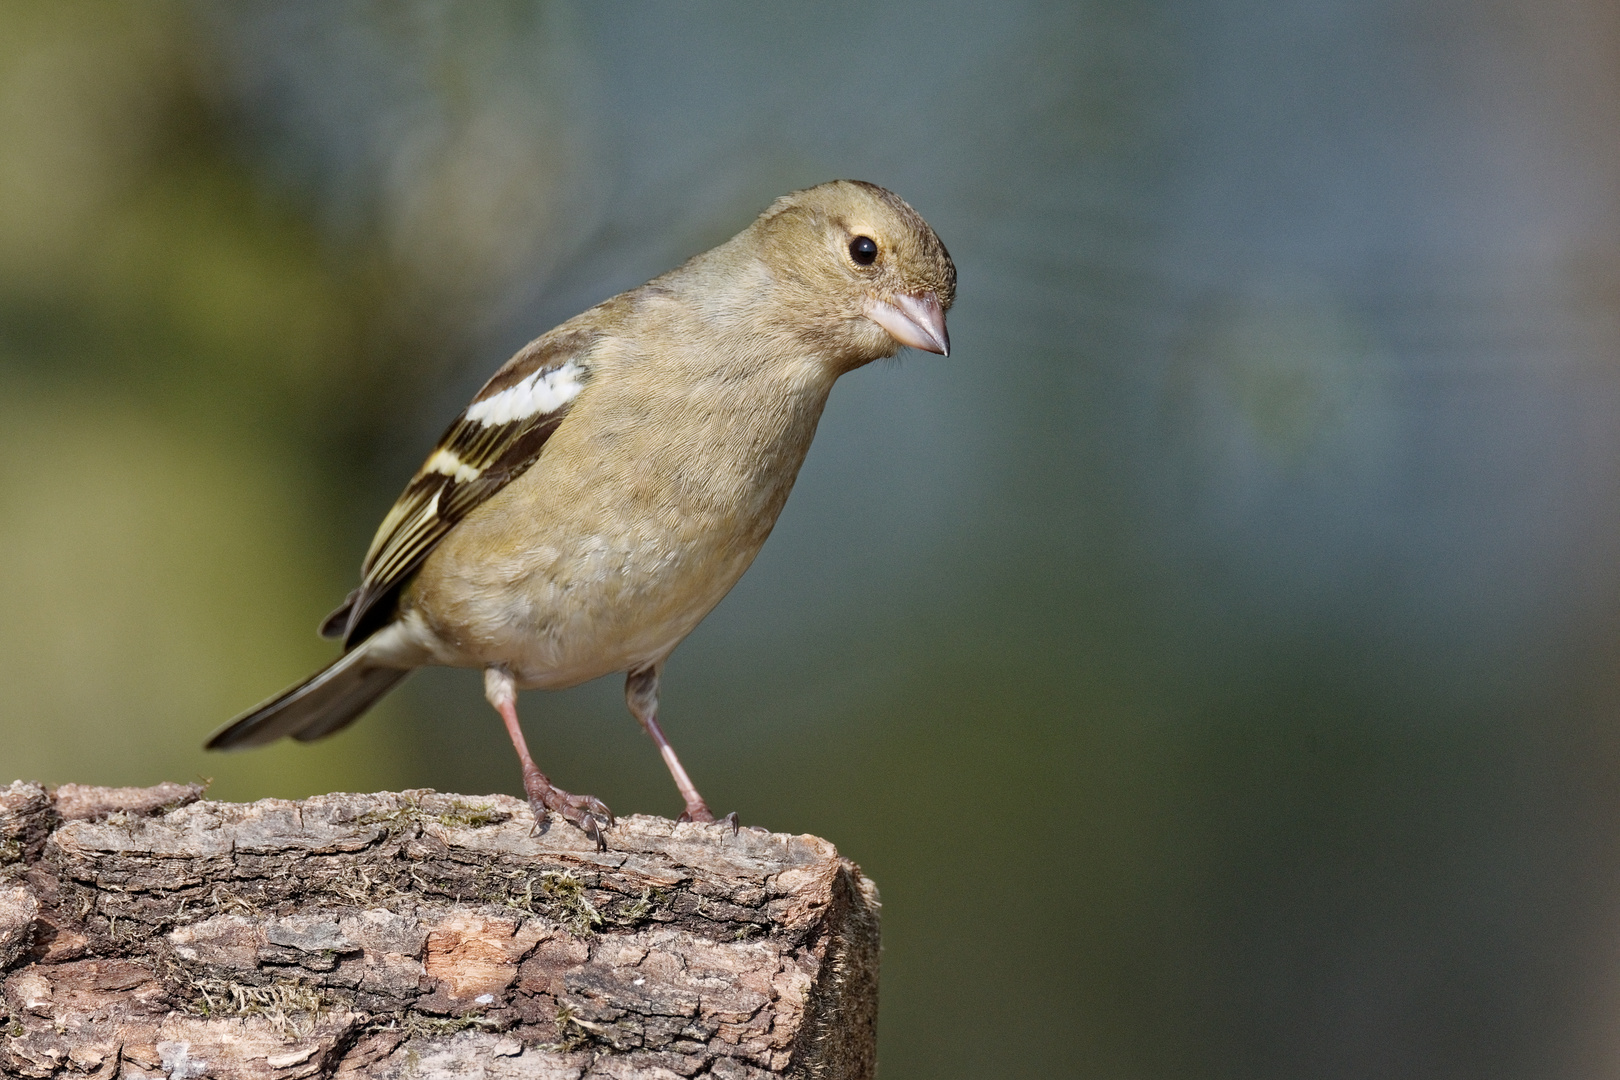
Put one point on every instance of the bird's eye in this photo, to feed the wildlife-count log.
(863, 249)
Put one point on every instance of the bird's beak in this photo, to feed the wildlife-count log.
(917, 321)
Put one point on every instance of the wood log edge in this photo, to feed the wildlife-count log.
(146, 932)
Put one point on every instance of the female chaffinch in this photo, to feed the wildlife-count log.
(613, 480)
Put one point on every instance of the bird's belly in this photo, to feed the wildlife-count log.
(618, 617)
(562, 613)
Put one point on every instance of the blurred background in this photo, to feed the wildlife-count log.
(1213, 660)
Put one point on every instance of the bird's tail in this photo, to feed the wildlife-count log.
(332, 698)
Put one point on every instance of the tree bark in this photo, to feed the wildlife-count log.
(145, 933)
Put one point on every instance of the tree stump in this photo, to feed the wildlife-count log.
(146, 933)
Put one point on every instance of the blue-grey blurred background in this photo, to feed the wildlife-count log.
(1214, 660)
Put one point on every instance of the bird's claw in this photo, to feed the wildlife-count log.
(585, 812)
(593, 829)
(702, 816)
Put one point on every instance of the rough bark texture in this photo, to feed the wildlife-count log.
(144, 933)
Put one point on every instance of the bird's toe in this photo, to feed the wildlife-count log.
(703, 816)
(585, 812)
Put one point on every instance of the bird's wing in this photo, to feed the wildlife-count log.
(493, 440)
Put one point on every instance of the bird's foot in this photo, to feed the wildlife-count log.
(585, 812)
(700, 813)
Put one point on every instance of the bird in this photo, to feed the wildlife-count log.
(613, 480)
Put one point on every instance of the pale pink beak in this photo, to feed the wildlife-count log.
(917, 321)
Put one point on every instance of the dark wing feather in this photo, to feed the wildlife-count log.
(494, 439)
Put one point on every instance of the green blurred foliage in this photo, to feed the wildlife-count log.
(175, 355)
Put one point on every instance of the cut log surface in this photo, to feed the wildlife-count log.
(147, 933)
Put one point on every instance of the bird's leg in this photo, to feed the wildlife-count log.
(641, 694)
(585, 811)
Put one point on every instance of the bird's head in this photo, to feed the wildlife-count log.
(858, 271)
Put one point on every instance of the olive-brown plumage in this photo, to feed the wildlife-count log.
(614, 479)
